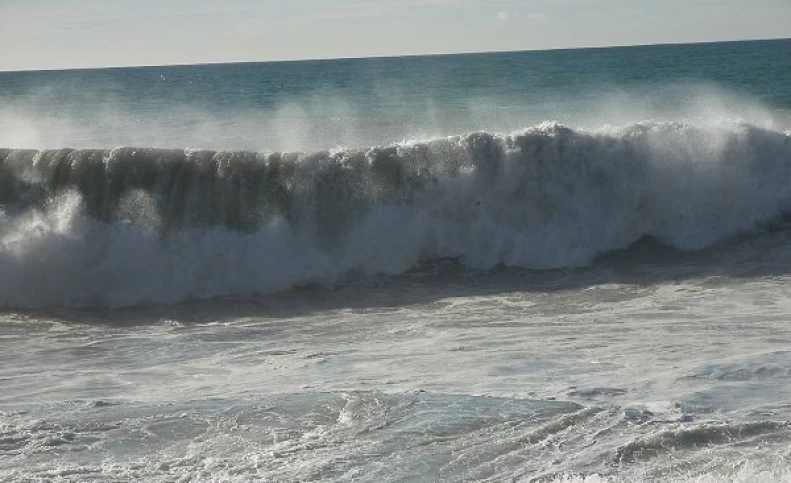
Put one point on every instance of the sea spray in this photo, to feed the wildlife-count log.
(129, 225)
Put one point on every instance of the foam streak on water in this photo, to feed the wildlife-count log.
(679, 371)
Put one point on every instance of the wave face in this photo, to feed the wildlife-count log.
(140, 225)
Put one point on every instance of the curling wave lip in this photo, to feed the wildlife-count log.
(128, 225)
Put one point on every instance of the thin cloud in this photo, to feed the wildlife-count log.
(505, 16)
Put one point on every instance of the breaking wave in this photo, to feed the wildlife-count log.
(133, 226)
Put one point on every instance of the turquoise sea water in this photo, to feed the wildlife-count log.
(363, 102)
(568, 266)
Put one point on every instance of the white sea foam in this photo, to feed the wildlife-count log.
(131, 226)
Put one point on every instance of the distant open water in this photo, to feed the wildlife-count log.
(565, 266)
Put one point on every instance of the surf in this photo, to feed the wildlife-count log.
(128, 226)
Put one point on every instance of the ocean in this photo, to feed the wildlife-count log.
(561, 266)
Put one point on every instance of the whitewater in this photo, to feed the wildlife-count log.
(458, 268)
(209, 224)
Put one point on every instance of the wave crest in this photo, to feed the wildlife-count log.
(141, 225)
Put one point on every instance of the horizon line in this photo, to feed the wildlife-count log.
(385, 57)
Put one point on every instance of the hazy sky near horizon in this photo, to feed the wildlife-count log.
(49, 34)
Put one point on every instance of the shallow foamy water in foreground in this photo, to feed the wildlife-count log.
(652, 365)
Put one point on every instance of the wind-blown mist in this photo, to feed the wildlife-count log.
(68, 116)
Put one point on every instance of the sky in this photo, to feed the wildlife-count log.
(56, 34)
